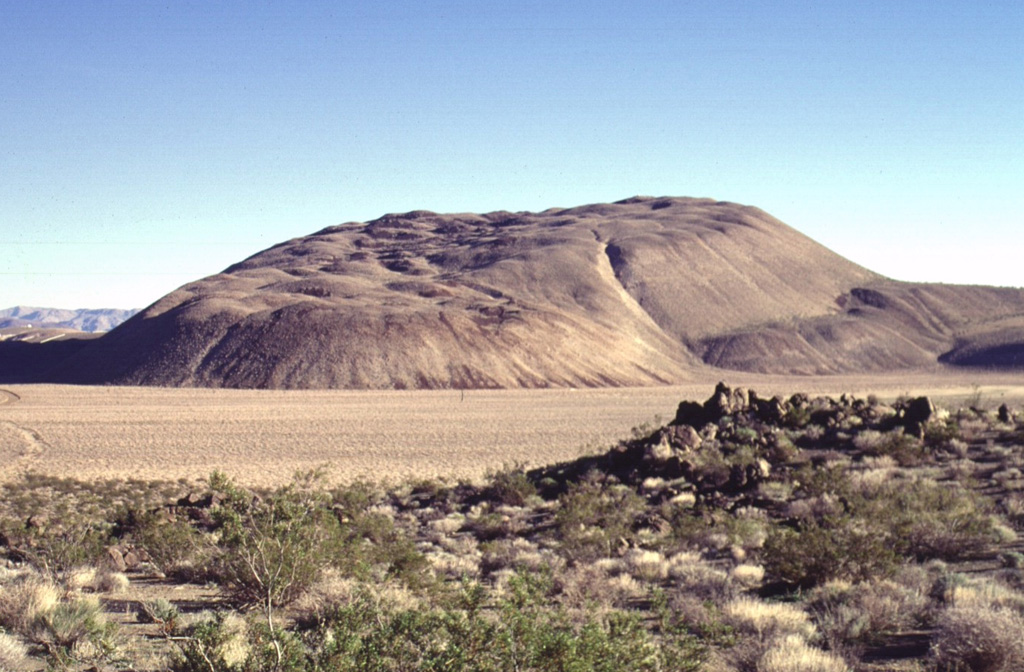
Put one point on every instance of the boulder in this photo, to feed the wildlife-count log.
(726, 401)
(660, 450)
(131, 559)
(116, 559)
(916, 413)
(684, 438)
(690, 413)
(772, 410)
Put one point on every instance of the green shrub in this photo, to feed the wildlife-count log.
(74, 542)
(797, 416)
(931, 520)
(75, 630)
(836, 547)
(217, 645)
(274, 548)
(273, 649)
(161, 612)
(939, 433)
(353, 499)
(510, 485)
(879, 523)
(907, 450)
(594, 517)
(174, 545)
(520, 632)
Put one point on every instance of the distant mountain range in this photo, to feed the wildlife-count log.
(643, 291)
(84, 319)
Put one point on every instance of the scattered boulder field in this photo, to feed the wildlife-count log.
(643, 291)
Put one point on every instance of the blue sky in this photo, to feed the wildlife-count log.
(145, 144)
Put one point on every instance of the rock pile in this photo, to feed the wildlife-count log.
(730, 443)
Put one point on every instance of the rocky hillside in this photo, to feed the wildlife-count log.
(638, 292)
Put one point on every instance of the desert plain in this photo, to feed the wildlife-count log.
(262, 437)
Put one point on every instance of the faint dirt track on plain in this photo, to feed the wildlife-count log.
(262, 437)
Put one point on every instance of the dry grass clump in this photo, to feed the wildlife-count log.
(851, 615)
(695, 576)
(792, 653)
(448, 525)
(329, 591)
(748, 576)
(81, 578)
(516, 553)
(25, 599)
(646, 565)
(982, 592)
(455, 566)
(234, 648)
(71, 627)
(112, 582)
(592, 587)
(774, 636)
(461, 544)
(102, 580)
(979, 639)
(13, 653)
(1013, 506)
(769, 620)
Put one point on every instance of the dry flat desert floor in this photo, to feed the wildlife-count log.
(262, 437)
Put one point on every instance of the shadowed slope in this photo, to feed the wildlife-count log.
(632, 293)
(883, 326)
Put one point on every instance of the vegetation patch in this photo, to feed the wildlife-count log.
(746, 535)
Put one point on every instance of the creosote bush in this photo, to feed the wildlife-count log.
(274, 548)
(868, 527)
(517, 632)
(511, 486)
(594, 517)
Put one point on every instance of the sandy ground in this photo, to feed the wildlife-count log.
(261, 437)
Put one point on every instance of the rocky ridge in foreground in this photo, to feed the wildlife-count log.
(746, 534)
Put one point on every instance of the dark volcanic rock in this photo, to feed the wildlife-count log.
(915, 413)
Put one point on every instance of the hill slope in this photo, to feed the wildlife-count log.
(642, 291)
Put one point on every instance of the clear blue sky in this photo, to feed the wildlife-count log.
(146, 144)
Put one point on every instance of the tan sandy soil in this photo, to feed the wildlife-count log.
(261, 437)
